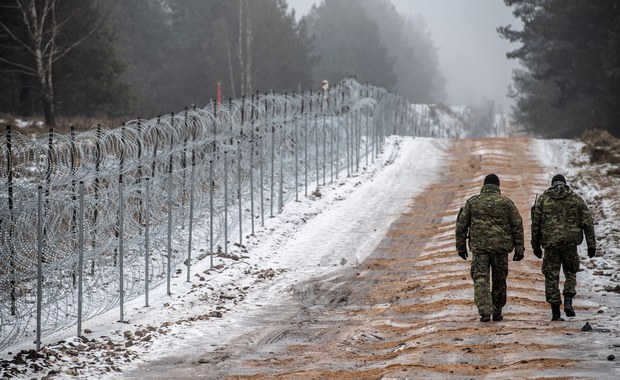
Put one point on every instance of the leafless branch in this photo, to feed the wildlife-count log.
(19, 65)
(14, 37)
(31, 74)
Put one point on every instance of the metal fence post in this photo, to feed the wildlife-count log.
(147, 242)
(239, 193)
(9, 161)
(358, 139)
(366, 138)
(296, 152)
(337, 145)
(169, 246)
(81, 257)
(39, 261)
(273, 153)
(316, 151)
(324, 148)
(225, 201)
(281, 187)
(306, 156)
(120, 250)
(211, 213)
(331, 148)
(191, 216)
(348, 138)
(262, 184)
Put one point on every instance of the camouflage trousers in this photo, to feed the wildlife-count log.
(489, 297)
(567, 259)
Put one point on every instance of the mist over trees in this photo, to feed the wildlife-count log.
(178, 50)
(571, 54)
(371, 40)
(99, 58)
(417, 65)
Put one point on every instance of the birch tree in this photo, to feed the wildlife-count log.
(40, 24)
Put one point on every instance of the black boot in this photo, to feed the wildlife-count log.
(497, 315)
(568, 306)
(485, 318)
(555, 312)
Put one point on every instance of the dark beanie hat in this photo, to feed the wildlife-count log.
(492, 179)
(558, 177)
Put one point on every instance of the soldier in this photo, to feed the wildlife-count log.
(560, 217)
(494, 228)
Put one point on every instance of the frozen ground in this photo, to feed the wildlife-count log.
(323, 233)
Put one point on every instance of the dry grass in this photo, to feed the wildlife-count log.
(63, 124)
(602, 148)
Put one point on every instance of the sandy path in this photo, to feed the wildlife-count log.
(408, 312)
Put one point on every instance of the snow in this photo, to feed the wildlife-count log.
(311, 238)
(599, 274)
(21, 123)
(316, 236)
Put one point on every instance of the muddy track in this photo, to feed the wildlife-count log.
(407, 311)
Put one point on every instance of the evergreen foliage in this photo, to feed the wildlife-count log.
(349, 43)
(149, 57)
(571, 54)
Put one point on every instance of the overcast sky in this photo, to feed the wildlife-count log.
(471, 54)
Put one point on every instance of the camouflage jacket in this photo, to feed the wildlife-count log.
(491, 222)
(561, 217)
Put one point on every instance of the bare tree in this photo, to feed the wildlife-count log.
(249, 38)
(40, 40)
(240, 47)
(244, 46)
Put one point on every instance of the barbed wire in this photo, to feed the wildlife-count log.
(117, 205)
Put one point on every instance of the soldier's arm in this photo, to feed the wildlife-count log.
(587, 224)
(516, 224)
(537, 223)
(463, 221)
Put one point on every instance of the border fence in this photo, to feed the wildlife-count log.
(89, 220)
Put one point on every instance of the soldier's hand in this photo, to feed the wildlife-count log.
(463, 254)
(517, 257)
(538, 252)
(591, 252)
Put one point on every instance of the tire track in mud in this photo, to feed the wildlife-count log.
(407, 311)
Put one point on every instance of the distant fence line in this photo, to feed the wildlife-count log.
(91, 219)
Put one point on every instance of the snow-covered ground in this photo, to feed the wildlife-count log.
(601, 193)
(318, 235)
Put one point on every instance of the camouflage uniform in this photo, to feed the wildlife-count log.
(494, 228)
(559, 220)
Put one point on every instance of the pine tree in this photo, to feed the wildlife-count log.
(416, 66)
(349, 43)
(567, 86)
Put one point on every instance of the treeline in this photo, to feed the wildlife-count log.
(570, 51)
(146, 57)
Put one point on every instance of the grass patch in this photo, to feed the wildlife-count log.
(35, 125)
(601, 147)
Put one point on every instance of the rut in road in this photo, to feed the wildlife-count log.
(407, 311)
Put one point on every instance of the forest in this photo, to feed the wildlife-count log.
(115, 59)
(570, 52)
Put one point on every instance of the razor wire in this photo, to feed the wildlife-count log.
(98, 217)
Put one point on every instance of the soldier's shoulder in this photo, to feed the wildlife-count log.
(544, 196)
(472, 199)
(507, 200)
(546, 193)
(577, 197)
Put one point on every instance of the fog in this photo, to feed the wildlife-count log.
(472, 56)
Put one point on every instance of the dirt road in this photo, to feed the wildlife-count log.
(407, 311)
